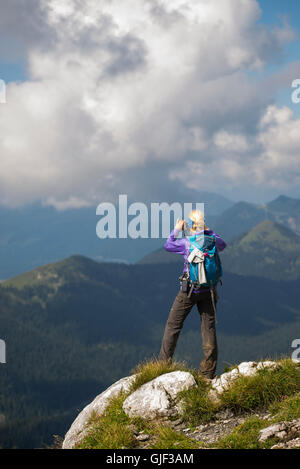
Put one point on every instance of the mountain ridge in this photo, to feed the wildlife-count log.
(240, 254)
(270, 249)
(35, 235)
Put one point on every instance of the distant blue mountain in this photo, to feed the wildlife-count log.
(35, 235)
(243, 216)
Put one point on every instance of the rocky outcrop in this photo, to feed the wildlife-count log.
(223, 382)
(284, 431)
(291, 444)
(224, 422)
(158, 398)
(79, 427)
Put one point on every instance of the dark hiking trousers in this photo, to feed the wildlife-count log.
(181, 307)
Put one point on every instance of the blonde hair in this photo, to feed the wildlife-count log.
(198, 218)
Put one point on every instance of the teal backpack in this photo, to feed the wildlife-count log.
(204, 261)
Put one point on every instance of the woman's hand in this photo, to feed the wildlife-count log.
(179, 224)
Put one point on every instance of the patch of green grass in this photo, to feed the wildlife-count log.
(111, 430)
(288, 409)
(142, 425)
(163, 436)
(146, 371)
(228, 368)
(245, 436)
(167, 438)
(196, 406)
(265, 387)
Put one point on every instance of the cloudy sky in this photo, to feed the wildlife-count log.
(137, 96)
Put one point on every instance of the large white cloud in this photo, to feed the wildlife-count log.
(280, 138)
(127, 85)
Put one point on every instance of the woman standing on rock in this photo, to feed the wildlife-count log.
(202, 271)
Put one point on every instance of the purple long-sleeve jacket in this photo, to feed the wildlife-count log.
(181, 246)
